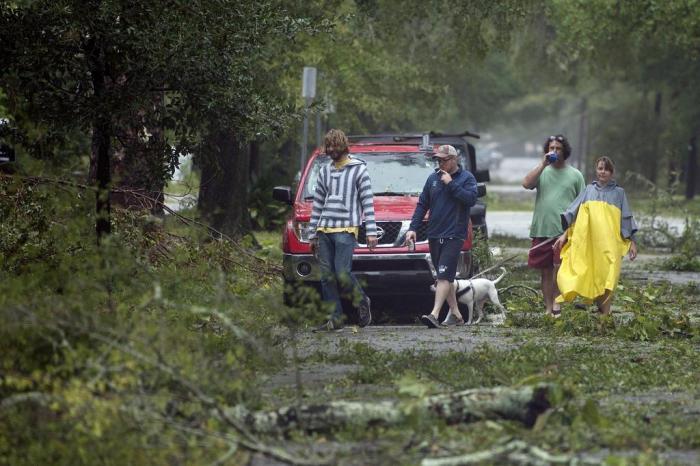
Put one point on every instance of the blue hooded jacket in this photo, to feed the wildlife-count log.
(448, 204)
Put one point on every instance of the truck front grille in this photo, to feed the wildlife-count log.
(392, 265)
(422, 233)
(388, 233)
(393, 233)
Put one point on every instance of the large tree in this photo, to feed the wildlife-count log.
(650, 47)
(98, 66)
(413, 66)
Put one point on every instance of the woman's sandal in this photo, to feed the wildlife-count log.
(556, 313)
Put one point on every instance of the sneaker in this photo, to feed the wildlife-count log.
(430, 321)
(451, 320)
(328, 326)
(364, 315)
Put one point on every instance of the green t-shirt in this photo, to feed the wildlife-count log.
(556, 189)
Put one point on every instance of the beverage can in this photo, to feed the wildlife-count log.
(552, 157)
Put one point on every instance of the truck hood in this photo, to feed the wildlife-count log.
(386, 208)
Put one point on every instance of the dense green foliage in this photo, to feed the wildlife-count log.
(129, 352)
(625, 398)
(122, 352)
(134, 347)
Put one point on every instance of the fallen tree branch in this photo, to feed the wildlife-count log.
(522, 404)
(507, 259)
(264, 268)
(26, 397)
(514, 452)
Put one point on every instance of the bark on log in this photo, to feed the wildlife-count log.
(514, 452)
(522, 404)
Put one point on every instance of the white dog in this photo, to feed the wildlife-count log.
(474, 293)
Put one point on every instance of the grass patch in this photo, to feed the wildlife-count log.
(633, 381)
(605, 377)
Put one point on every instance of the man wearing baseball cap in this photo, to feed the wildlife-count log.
(448, 194)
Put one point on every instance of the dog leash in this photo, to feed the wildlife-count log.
(494, 266)
(513, 257)
(543, 243)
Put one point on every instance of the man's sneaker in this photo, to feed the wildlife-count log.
(430, 321)
(364, 315)
(450, 320)
(328, 326)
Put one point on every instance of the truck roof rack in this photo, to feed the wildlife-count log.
(464, 134)
(408, 137)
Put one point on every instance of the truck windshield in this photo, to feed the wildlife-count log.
(392, 173)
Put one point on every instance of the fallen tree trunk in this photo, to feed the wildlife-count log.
(514, 452)
(522, 404)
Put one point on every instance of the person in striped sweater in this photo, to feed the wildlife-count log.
(342, 198)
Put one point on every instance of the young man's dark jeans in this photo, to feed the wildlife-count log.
(335, 259)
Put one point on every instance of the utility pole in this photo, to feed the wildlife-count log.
(308, 92)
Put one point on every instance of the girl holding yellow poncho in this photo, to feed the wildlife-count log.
(598, 231)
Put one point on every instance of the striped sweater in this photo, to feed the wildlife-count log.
(342, 197)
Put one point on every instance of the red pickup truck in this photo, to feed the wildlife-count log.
(398, 166)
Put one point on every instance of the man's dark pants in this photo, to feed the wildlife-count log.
(335, 259)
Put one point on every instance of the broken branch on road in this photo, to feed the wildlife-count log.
(523, 404)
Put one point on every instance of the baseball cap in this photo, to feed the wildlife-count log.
(445, 151)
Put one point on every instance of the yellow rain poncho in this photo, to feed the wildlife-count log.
(600, 226)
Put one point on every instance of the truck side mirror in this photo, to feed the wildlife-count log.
(480, 190)
(282, 194)
(482, 176)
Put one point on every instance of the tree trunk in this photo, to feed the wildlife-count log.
(142, 162)
(692, 170)
(223, 190)
(658, 131)
(101, 139)
(100, 144)
(522, 404)
(582, 151)
(255, 162)
(289, 156)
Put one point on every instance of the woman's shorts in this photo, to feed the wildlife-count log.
(444, 253)
(542, 257)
